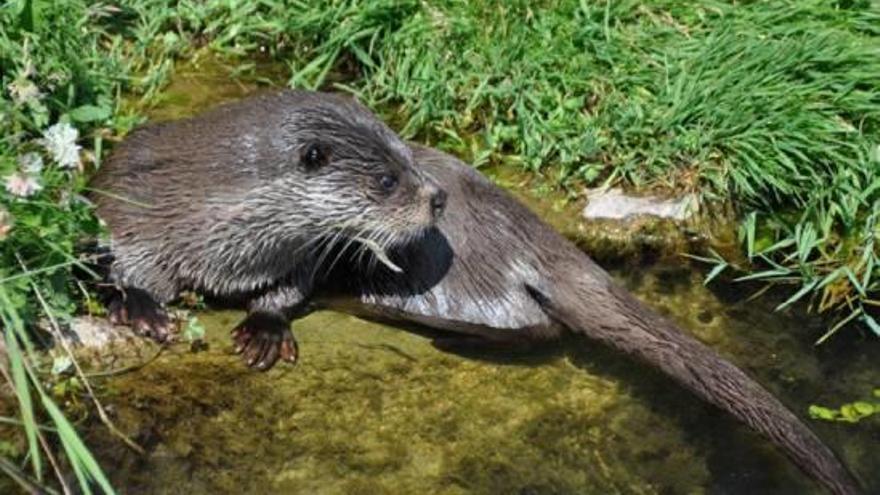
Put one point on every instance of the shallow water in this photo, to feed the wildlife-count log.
(374, 409)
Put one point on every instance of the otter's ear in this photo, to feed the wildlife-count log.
(314, 156)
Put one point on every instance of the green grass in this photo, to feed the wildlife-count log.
(772, 107)
(55, 67)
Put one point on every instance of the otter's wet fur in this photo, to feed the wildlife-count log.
(248, 200)
(494, 271)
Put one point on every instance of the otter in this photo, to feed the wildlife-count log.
(488, 270)
(247, 200)
(494, 274)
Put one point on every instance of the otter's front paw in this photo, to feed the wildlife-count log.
(262, 339)
(144, 315)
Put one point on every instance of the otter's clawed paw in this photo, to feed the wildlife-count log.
(145, 316)
(262, 339)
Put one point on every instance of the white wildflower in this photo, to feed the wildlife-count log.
(22, 185)
(31, 163)
(5, 223)
(23, 91)
(60, 141)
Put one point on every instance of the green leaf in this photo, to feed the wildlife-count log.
(715, 272)
(61, 365)
(30, 16)
(871, 323)
(797, 295)
(749, 224)
(194, 330)
(864, 408)
(819, 412)
(778, 272)
(23, 394)
(89, 113)
(13, 324)
(849, 413)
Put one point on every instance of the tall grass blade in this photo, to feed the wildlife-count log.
(84, 464)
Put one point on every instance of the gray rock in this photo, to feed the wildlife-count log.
(616, 205)
(95, 333)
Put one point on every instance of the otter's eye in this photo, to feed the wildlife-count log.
(388, 182)
(314, 156)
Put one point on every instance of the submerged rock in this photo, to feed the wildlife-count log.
(99, 345)
(616, 227)
(95, 333)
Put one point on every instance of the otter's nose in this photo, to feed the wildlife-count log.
(438, 203)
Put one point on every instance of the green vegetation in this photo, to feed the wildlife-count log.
(772, 107)
(59, 81)
(849, 413)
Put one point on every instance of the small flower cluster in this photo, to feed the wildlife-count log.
(60, 141)
(22, 90)
(23, 185)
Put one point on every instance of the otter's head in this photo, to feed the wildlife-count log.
(348, 176)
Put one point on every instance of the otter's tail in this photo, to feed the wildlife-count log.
(604, 312)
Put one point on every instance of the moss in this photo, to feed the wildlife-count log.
(353, 416)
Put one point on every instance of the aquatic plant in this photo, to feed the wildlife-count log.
(852, 412)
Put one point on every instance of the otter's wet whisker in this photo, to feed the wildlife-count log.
(379, 249)
(340, 253)
(376, 237)
(310, 245)
(328, 247)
